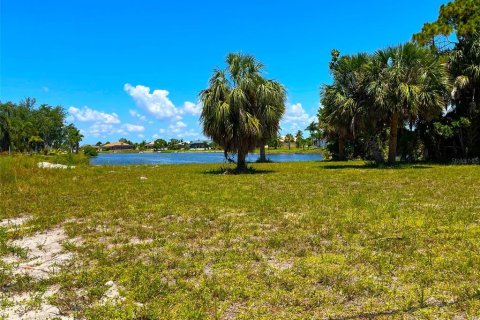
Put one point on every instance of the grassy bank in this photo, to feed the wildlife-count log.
(292, 241)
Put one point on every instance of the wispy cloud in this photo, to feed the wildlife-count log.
(137, 115)
(134, 128)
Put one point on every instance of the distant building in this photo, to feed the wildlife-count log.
(117, 146)
(198, 144)
(320, 143)
(150, 145)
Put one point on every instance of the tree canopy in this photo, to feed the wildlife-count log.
(241, 109)
(25, 127)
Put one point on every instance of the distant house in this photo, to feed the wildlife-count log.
(117, 146)
(320, 143)
(150, 145)
(198, 144)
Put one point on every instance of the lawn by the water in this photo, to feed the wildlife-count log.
(308, 240)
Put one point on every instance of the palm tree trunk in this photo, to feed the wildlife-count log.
(241, 162)
(263, 156)
(392, 144)
(341, 147)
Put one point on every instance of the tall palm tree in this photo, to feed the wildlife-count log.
(345, 102)
(270, 100)
(407, 81)
(464, 66)
(312, 128)
(241, 109)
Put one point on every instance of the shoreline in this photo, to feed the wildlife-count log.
(272, 151)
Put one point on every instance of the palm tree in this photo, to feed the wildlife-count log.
(464, 66)
(35, 140)
(240, 107)
(407, 81)
(289, 138)
(312, 128)
(270, 105)
(73, 138)
(345, 102)
(299, 138)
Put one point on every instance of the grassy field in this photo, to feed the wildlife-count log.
(316, 240)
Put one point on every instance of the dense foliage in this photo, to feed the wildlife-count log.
(241, 109)
(26, 128)
(416, 101)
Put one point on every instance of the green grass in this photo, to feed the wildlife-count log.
(316, 240)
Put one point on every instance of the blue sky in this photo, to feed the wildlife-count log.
(134, 68)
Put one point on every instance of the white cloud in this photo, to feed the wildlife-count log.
(137, 115)
(99, 129)
(156, 103)
(189, 133)
(177, 127)
(90, 115)
(192, 108)
(134, 128)
(296, 118)
(45, 89)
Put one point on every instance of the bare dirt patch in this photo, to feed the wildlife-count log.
(44, 256)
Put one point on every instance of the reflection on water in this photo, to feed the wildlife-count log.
(191, 157)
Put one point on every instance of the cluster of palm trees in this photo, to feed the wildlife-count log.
(373, 95)
(241, 109)
(411, 100)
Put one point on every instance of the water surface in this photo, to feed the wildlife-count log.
(191, 157)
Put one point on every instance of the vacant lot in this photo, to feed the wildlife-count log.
(291, 241)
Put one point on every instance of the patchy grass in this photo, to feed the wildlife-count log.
(317, 240)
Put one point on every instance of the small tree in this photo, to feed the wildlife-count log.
(299, 139)
(288, 139)
(159, 144)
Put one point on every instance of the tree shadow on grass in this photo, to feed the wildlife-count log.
(372, 165)
(234, 171)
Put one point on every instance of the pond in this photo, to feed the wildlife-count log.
(191, 157)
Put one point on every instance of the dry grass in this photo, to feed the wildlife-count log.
(293, 241)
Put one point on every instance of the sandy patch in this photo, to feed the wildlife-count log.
(280, 265)
(13, 222)
(112, 295)
(44, 254)
(33, 306)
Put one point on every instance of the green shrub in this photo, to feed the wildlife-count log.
(90, 151)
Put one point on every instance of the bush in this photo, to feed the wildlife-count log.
(90, 151)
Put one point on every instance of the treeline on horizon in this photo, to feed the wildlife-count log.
(416, 101)
(24, 127)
